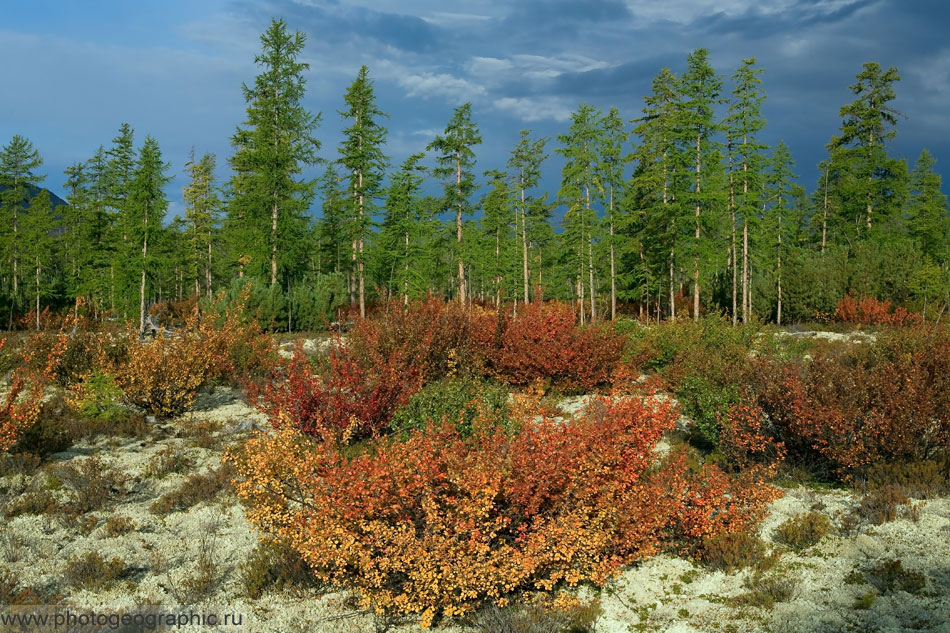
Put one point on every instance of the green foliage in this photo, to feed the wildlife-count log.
(891, 575)
(101, 398)
(456, 400)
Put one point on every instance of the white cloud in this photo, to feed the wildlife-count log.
(428, 85)
(534, 108)
(684, 11)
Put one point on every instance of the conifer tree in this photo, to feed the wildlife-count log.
(456, 160)
(39, 245)
(499, 227)
(404, 230)
(525, 163)
(19, 161)
(742, 125)
(269, 198)
(613, 161)
(330, 227)
(581, 186)
(146, 213)
(202, 207)
(699, 88)
(928, 215)
(362, 155)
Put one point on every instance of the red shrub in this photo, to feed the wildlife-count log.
(438, 524)
(349, 400)
(873, 403)
(544, 342)
(870, 311)
(746, 438)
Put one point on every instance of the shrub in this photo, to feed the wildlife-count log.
(763, 592)
(746, 438)
(890, 576)
(538, 618)
(543, 342)
(803, 530)
(92, 571)
(276, 566)
(22, 403)
(98, 397)
(885, 504)
(922, 480)
(439, 524)
(731, 551)
(347, 401)
(873, 403)
(197, 488)
(118, 526)
(458, 400)
(705, 362)
(870, 311)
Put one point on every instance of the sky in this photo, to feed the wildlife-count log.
(72, 72)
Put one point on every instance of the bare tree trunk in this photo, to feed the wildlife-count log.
(696, 255)
(870, 183)
(458, 226)
(273, 247)
(524, 238)
(824, 217)
(37, 294)
(745, 271)
(733, 254)
(613, 266)
(405, 281)
(590, 262)
(672, 290)
(778, 317)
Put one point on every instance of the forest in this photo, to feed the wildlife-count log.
(677, 210)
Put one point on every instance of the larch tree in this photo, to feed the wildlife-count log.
(362, 156)
(525, 165)
(499, 225)
(699, 89)
(927, 212)
(778, 193)
(867, 123)
(456, 160)
(19, 161)
(202, 207)
(581, 185)
(658, 225)
(146, 209)
(745, 153)
(39, 246)
(274, 145)
(613, 162)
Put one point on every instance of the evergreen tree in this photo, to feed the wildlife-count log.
(146, 213)
(928, 215)
(362, 155)
(613, 161)
(699, 88)
(330, 227)
(742, 125)
(867, 123)
(19, 161)
(269, 199)
(39, 246)
(498, 225)
(581, 185)
(202, 207)
(656, 216)
(525, 163)
(404, 231)
(456, 160)
(778, 194)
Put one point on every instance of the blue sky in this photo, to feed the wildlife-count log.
(74, 71)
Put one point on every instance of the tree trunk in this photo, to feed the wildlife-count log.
(273, 237)
(37, 294)
(733, 254)
(524, 239)
(590, 261)
(142, 283)
(745, 271)
(824, 217)
(613, 266)
(458, 226)
(696, 255)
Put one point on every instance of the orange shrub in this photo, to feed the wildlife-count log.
(22, 403)
(439, 524)
(164, 376)
(870, 311)
(543, 342)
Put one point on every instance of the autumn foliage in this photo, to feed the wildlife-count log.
(23, 401)
(870, 311)
(543, 342)
(886, 402)
(439, 523)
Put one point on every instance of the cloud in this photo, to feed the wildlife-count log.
(535, 108)
(427, 85)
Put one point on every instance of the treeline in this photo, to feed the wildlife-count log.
(672, 212)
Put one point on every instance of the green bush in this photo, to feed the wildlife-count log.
(803, 530)
(456, 399)
(101, 398)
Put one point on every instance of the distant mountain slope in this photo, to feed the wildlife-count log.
(55, 200)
